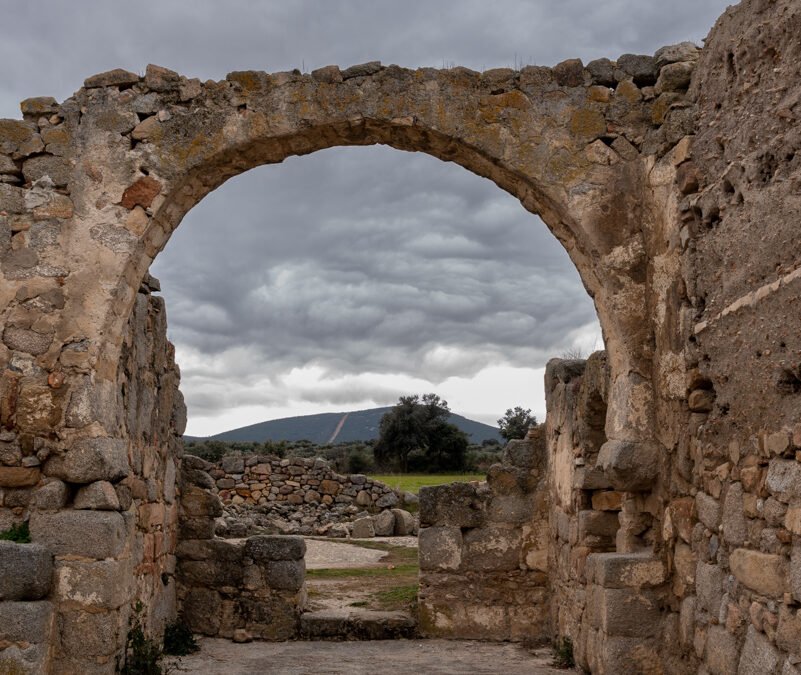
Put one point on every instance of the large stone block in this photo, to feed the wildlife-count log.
(626, 570)
(629, 613)
(94, 534)
(404, 523)
(764, 573)
(84, 634)
(199, 503)
(196, 528)
(384, 524)
(709, 587)
(26, 621)
(457, 504)
(91, 460)
(19, 476)
(735, 529)
(27, 571)
(201, 610)
(211, 573)
(52, 496)
(362, 528)
(628, 656)
(630, 465)
(285, 575)
(440, 548)
(267, 548)
(759, 656)
(492, 548)
(105, 584)
(210, 549)
(600, 524)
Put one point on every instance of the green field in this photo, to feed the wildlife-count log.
(412, 482)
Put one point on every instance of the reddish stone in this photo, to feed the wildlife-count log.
(141, 193)
(18, 476)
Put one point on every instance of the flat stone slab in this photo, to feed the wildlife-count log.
(432, 657)
(356, 624)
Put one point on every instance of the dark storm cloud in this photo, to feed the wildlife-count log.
(357, 260)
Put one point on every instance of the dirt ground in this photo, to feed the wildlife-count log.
(399, 657)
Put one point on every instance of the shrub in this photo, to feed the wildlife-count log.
(178, 640)
(563, 653)
(18, 533)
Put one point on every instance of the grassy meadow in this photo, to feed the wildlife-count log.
(412, 482)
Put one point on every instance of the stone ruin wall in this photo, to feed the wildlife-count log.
(484, 551)
(267, 494)
(103, 518)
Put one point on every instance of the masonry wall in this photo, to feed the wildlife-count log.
(483, 551)
(103, 519)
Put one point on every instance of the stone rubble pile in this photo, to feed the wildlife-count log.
(264, 494)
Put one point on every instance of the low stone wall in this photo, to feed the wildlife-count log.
(302, 496)
(234, 589)
(484, 551)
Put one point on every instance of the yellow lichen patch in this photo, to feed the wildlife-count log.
(586, 123)
(628, 91)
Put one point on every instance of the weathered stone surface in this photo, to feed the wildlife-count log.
(458, 504)
(628, 613)
(99, 495)
(384, 524)
(641, 68)
(708, 510)
(629, 465)
(735, 529)
(759, 657)
(569, 73)
(386, 501)
(404, 524)
(26, 621)
(27, 571)
(94, 534)
(362, 528)
(18, 476)
(286, 575)
(763, 572)
(141, 193)
(199, 503)
(626, 570)
(159, 78)
(602, 72)
(674, 77)
(721, 651)
(492, 547)
(683, 51)
(709, 587)
(440, 548)
(89, 634)
(362, 70)
(784, 479)
(51, 496)
(25, 340)
(201, 610)
(105, 584)
(263, 548)
(91, 460)
(58, 169)
(111, 78)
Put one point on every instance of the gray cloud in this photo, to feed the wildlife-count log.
(352, 260)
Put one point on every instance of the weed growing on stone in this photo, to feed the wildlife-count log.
(178, 640)
(142, 654)
(563, 653)
(17, 533)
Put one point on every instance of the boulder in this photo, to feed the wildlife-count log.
(384, 524)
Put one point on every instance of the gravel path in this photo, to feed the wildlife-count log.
(399, 657)
(327, 554)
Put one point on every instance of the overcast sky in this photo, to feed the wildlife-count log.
(341, 280)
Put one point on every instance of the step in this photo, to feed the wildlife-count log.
(356, 624)
(626, 570)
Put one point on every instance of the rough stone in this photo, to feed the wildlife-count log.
(735, 529)
(759, 657)
(263, 548)
(99, 495)
(363, 528)
(721, 651)
(51, 496)
(641, 68)
(384, 524)
(784, 479)
(18, 476)
(629, 465)
(93, 534)
(104, 584)
(111, 78)
(459, 504)
(286, 575)
(440, 548)
(27, 571)
(763, 572)
(91, 460)
(404, 523)
(26, 621)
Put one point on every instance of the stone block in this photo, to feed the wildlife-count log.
(211, 573)
(795, 571)
(764, 573)
(735, 529)
(285, 575)
(105, 584)
(788, 634)
(362, 528)
(111, 78)
(58, 169)
(608, 500)
(84, 634)
(51, 496)
(628, 612)
(26, 621)
(387, 500)
(19, 476)
(628, 655)
(91, 460)
(94, 534)
(384, 524)
(201, 610)
(404, 523)
(514, 508)
(27, 571)
(196, 528)
(233, 464)
(641, 68)
(457, 504)
(630, 466)
(709, 587)
(759, 656)
(492, 548)
(440, 548)
(99, 495)
(721, 651)
(784, 479)
(678, 53)
(626, 570)
(210, 549)
(267, 548)
(199, 503)
(708, 509)
(601, 524)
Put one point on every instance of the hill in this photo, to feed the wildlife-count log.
(360, 425)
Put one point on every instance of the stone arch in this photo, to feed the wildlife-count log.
(103, 179)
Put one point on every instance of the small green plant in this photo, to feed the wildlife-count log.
(18, 533)
(142, 654)
(178, 640)
(563, 653)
